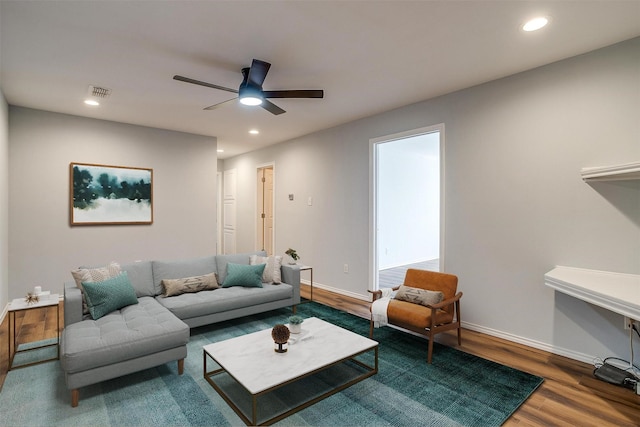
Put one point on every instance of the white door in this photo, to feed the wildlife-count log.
(229, 212)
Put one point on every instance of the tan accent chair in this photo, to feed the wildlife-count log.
(426, 320)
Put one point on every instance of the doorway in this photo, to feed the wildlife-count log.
(265, 209)
(407, 230)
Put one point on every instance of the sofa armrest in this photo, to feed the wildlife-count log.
(72, 304)
(291, 276)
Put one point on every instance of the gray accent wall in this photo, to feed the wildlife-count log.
(515, 204)
(43, 247)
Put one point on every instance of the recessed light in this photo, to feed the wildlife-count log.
(535, 23)
(220, 150)
(254, 131)
(91, 102)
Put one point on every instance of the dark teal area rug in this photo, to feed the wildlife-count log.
(457, 389)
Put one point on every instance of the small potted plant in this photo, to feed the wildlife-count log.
(295, 324)
(293, 254)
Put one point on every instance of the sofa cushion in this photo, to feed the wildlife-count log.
(109, 295)
(271, 272)
(174, 287)
(141, 278)
(204, 303)
(134, 331)
(223, 260)
(181, 269)
(249, 276)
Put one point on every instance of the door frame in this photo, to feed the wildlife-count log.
(373, 195)
(219, 204)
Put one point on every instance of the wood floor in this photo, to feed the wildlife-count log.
(390, 277)
(569, 396)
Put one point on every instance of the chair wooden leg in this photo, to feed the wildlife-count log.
(294, 308)
(430, 350)
(75, 397)
(459, 323)
(180, 366)
(371, 329)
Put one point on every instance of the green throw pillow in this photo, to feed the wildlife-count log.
(109, 295)
(249, 276)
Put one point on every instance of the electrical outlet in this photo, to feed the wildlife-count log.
(627, 323)
(345, 268)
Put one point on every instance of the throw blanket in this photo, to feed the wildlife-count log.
(379, 308)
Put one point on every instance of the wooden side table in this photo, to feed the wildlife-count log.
(310, 269)
(19, 304)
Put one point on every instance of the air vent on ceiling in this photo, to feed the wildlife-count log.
(99, 92)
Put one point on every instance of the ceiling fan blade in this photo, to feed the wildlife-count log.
(293, 93)
(198, 82)
(258, 72)
(214, 106)
(271, 107)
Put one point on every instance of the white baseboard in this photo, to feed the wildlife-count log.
(3, 315)
(586, 358)
(338, 291)
(530, 343)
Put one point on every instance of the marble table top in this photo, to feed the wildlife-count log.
(252, 361)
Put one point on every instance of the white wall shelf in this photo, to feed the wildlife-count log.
(629, 171)
(617, 292)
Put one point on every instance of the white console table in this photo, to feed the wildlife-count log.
(617, 292)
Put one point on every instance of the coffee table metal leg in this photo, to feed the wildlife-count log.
(254, 409)
(11, 313)
(369, 371)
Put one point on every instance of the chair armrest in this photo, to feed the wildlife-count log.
(377, 294)
(446, 302)
(72, 304)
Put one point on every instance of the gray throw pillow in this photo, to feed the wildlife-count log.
(419, 296)
(189, 285)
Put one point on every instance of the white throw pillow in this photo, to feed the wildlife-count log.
(90, 275)
(271, 272)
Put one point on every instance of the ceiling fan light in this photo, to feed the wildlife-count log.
(251, 100)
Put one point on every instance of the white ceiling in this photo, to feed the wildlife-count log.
(368, 56)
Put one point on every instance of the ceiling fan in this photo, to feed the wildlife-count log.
(250, 91)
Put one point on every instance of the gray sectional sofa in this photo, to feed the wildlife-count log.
(155, 331)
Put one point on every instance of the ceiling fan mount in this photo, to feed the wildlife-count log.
(250, 91)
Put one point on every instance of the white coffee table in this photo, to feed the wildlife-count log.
(252, 362)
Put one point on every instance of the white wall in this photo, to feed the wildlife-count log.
(515, 203)
(43, 247)
(4, 204)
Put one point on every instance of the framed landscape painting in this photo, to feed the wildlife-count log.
(102, 194)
